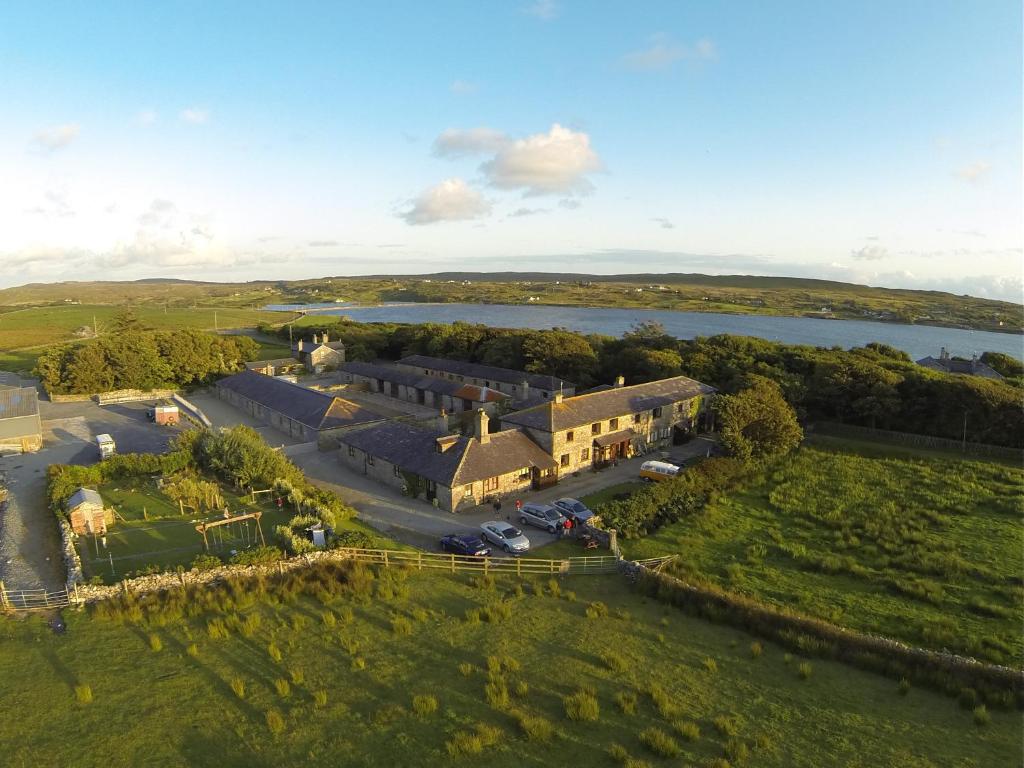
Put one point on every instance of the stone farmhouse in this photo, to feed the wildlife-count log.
(451, 471)
(442, 394)
(523, 387)
(596, 429)
(293, 409)
(322, 355)
(20, 427)
(946, 364)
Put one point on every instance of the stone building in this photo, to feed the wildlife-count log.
(452, 471)
(20, 427)
(281, 366)
(295, 410)
(959, 367)
(523, 387)
(320, 355)
(87, 514)
(442, 394)
(598, 428)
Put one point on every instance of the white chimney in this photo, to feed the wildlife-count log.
(620, 381)
(480, 426)
(325, 337)
(526, 390)
(442, 422)
(300, 345)
(558, 397)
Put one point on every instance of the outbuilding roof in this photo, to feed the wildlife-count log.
(406, 378)
(486, 372)
(15, 403)
(306, 406)
(578, 411)
(84, 496)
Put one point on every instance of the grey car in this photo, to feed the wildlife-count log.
(575, 510)
(542, 516)
(506, 536)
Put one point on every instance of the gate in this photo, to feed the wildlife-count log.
(33, 599)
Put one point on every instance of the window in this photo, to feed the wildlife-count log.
(657, 413)
(636, 418)
(613, 425)
(351, 451)
(569, 436)
(469, 492)
(369, 459)
(398, 471)
(595, 429)
(524, 473)
(585, 454)
(490, 484)
(679, 407)
(564, 461)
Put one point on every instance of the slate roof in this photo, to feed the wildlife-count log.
(581, 410)
(486, 372)
(964, 367)
(83, 496)
(390, 373)
(276, 363)
(16, 403)
(466, 461)
(306, 406)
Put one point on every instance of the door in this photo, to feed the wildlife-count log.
(431, 490)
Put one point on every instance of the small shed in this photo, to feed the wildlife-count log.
(87, 513)
(166, 415)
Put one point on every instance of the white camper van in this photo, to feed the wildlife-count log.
(658, 470)
(106, 445)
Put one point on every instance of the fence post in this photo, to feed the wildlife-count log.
(3, 597)
(487, 562)
(519, 567)
(419, 560)
(453, 563)
(387, 564)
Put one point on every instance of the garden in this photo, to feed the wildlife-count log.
(337, 664)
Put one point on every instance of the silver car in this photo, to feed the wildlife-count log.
(506, 536)
(542, 516)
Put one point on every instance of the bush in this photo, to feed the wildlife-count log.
(330, 620)
(282, 687)
(687, 730)
(981, 715)
(521, 689)
(710, 664)
(358, 662)
(663, 702)
(424, 705)
(804, 670)
(465, 669)
(626, 702)
(83, 694)
(206, 562)
(217, 629)
(496, 693)
(618, 753)
(297, 676)
(904, 686)
(401, 626)
(274, 652)
(155, 642)
(473, 742)
(238, 686)
(756, 650)
(275, 722)
(616, 662)
(192, 650)
(726, 725)
(320, 698)
(659, 742)
(535, 727)
(737, 751)
(582, 706)
(596, 610)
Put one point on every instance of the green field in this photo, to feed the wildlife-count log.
(394, 672)
(926, 550)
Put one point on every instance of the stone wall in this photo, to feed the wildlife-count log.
(72, 562)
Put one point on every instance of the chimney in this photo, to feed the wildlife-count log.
(300, 345)
(315, 339)
(442, 422)
(480, 426)
(526, 390)
(444, 442)
(558, 397)
(620, 381)
(325, 337)
(943, 355)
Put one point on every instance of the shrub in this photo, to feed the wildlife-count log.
(805, 670)
(424, 705)
(297, 676)
(968, 698)
(401, 626)
(710, 664)
(192, 650)
(614, 661)
(521, 689)
(737, 751)
(155, 642)
(465, 669)
(582, 706)
(570, 596)
(206, 562)
(904, 686)
(755, 650)
(626, 702)
(596, 610)
(534, 727)
(687, 730)
(495, 612)
(217, 629)
(981, 715)
(473, 742)
(238, 686)
(284, 690)
(346, 614)
(275, 722)
(320, 698)
(726, 725)
(329, 619)
(618, 753)
(274, 651)
(659, 742)
(554, 588)
(472, 615)
(663, 702)
(496, 664)
(83, 694)
(358, 662)
(496, 693)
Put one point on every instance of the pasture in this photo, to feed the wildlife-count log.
(927, 550)
(336, 665)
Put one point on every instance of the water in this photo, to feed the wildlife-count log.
(916, 340)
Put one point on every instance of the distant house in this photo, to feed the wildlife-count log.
(946, 364)
(597, 428)
(20, 427)
(453, 471)
(520, 385)
(295, 410)
(320, 355)
(279, 367)
(403, 384)
(87, 513)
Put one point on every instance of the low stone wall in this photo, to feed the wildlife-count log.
(72, 562)
(132, 395)
(70, 398)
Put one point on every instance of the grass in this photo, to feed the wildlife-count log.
(193, 714)
(926, 550)
(615, 492)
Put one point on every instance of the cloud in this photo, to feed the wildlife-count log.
(161, 214)
(555, 162)
(322, 243)
(456, 143)
(451, 200)
(545, 10)
(55, 205)
(973, 172)
(520, 212)
(463, 87)
(56, 137)
(869, 253)
(663, 223)
(147, 117)
(663, 52)
(569, 204)
(194, 115)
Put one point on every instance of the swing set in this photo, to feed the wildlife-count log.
(243, 534)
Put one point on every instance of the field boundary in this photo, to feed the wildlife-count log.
(835, 429)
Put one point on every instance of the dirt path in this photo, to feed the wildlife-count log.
(30, 555)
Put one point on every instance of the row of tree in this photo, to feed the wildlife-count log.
(874, 386)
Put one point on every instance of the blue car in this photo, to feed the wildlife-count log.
(464, 544)
(575, 510)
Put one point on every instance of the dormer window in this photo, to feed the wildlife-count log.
(595, 429)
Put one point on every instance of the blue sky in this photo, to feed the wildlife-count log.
(875, 142)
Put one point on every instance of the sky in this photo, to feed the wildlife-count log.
(869, 141)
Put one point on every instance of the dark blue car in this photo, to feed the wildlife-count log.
(465, 544)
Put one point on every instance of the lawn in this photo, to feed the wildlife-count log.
(612, 493)
(926, 550)
(394, 671)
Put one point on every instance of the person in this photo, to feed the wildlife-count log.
(568, 526)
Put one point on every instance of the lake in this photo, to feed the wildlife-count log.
(916, 340)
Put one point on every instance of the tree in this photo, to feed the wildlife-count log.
(126, 320)
(561, 353)
(757, 423)
(1004, 364)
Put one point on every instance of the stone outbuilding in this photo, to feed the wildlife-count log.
(451, 396)
(87, 514)
(320, 355)
(521, 386)
(20, 427)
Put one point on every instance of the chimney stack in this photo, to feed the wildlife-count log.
(325, 337)
(558, 397)
(620, 381)
(943, 355)
(442, 422)
(315, 339)
(300, 345)
(480, 426)
(526, 390)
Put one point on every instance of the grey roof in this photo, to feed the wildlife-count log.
(390, 373)
(466, 461)
(84, 496)
(15, 403)
(965, 367)
(276, 363)
(306, 406)
(486, 372)
(598, 406)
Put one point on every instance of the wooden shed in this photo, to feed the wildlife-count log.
(87, 513)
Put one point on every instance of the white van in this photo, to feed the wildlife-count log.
(658, 470)
(106, 445)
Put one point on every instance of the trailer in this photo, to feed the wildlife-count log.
(164, 415)
(106, 445)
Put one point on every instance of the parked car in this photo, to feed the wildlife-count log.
(575, 510)
(542, 516)
(506, 536)
(658, 471)
(465, 544)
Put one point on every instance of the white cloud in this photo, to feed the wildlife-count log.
(194, 115)
(451, 200)
(322, 243)
(147, 117)
(663, 52)
(54, 205)
(555, 162)
(973, 172)
(56, 137)
(870, 253)
(545, 10)
(463, 87)
(161, 214)
(456, 142)
(520, 212)
(663, 222)
(569, 204)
